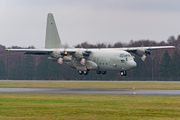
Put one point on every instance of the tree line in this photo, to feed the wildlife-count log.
(162, 64)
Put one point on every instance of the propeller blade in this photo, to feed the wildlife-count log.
(83, 61)
(60, 61)
(143, 57)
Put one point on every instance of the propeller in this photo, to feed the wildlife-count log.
(81, 55)
(60, 60)
(63, 53)
(59, 55)
(143, 58)
(83, 61)
(147, 52)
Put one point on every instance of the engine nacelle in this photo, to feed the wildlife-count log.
(64, 59)
(56, 53)
(140, 52)
(67, 58)
(80, 54)
(52, 59)
(143, 53)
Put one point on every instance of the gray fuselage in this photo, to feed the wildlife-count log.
(105, 60)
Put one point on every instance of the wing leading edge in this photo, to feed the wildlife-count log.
(131, 49)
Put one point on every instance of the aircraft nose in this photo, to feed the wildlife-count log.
(132, 64)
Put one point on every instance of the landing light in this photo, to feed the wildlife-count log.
(65, 53)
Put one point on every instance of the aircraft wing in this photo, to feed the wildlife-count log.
(73, 50)
(41, 51)
(133, 49)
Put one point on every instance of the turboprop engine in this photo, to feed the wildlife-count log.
(56, 53)
(64, 59)
(59, 56)
(143, 53)
(81, 55)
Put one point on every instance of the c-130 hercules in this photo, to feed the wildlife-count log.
(84, 60)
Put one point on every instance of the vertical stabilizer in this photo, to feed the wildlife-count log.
(52, 36)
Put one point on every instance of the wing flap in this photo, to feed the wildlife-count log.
(33, 51)
(41, 51)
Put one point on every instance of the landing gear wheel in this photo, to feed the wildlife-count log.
(98, 72)
(80, 72)
(86, 72)
(103, 72)
(123, 73)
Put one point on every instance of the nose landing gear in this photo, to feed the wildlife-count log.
(123, 73)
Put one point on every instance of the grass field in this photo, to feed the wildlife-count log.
(92, 84)
(55, 106)
(17, 106)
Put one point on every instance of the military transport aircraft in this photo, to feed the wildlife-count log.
(84, 60)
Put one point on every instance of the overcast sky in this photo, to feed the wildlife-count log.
(23, 22)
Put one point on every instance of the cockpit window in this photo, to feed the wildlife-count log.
(122, 55)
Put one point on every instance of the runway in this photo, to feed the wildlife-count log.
(92, 91)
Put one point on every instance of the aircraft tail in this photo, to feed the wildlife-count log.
(52, 36)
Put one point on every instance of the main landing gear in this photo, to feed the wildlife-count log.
(83, 72)
(99, 72)
(123, 73)
(86, 72)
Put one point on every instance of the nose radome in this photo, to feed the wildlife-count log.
(133, 63)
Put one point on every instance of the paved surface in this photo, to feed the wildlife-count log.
(93, 91)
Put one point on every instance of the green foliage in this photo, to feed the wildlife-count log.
(28, 67)
(164, 66)
(47, 69)
(2, 70)
(175, 65)
(93, 107)
(142, 67)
